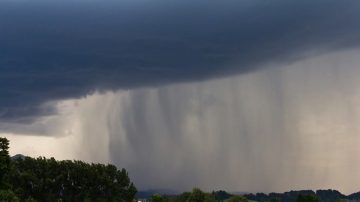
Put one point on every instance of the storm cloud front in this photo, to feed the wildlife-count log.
(57, 50)
(238, 95)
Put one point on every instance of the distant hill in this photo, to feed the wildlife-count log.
(330, 195)
(18, 156)
(148, 193)
(354, 196)
(291, 196)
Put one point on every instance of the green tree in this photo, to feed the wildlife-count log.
(42, 179)
(238, 199)
(307, 198)
(196, 196)
(182, 197)
(8, 196)
(199, 196)
(157, 198)
(30, 199)
(275, 199)
(209, 198)
(4, 146)
(4, 162)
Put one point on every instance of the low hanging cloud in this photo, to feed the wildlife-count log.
(59, 50)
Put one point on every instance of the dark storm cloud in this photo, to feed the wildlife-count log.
(56, 50)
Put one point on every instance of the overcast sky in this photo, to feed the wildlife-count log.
(245, 95)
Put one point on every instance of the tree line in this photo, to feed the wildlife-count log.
(198, 195)
(41, 179)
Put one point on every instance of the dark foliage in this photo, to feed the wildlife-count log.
(303, 195)
(329, 195)
(4, 162)
(41, 179)
(221, 195)
(354, 196)
(307, 198)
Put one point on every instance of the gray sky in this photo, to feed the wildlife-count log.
(236, 95)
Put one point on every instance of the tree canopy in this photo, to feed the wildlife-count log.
(238, 199)
(307, 198)
(42, 179)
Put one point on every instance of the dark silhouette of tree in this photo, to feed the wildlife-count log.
(199, 196)
(221, 195)
(275, 199)
(307, 198)
(4, 162)
(158, 198)
(238, 199)
(42, 179)
(8, 196)
(329, 195)
(196, 196)
(182, 197)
